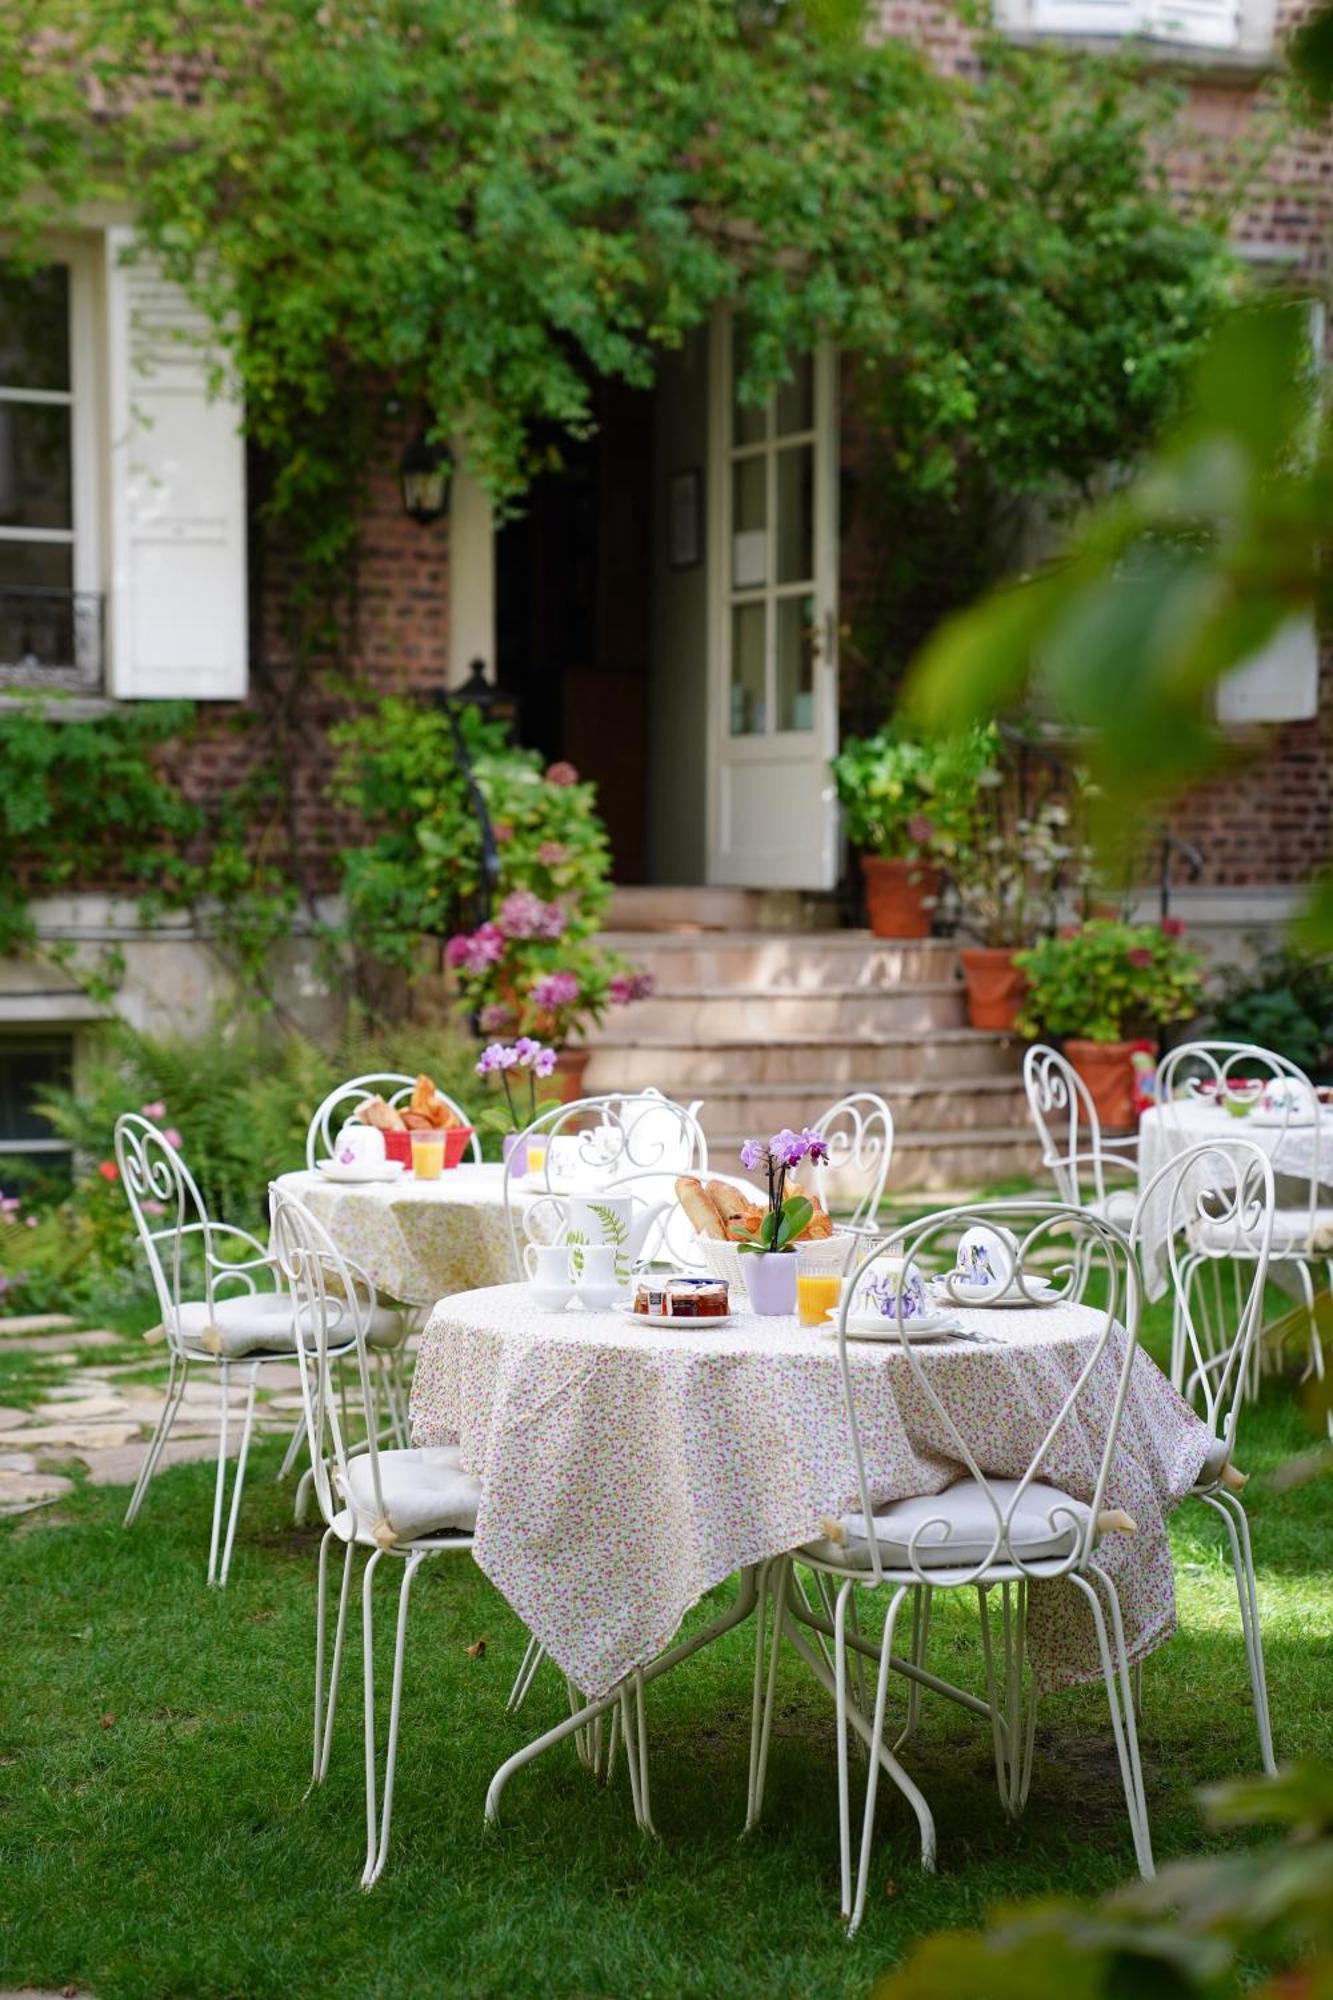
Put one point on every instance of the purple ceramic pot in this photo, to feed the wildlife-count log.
(514, 1149)
(771, 1281)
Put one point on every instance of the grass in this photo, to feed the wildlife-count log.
(154, 1756)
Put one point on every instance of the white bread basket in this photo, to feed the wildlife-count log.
(727, 1260)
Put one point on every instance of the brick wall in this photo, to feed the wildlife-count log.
(1270, 820)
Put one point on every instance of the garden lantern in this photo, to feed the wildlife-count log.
(424, 471)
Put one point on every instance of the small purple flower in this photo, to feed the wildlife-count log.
(493, 1018)
(555, 989)
(496, 1056)
(521, 913)
(816, 1146)
(752, 1155)
(787, 1147)
(544, 1064)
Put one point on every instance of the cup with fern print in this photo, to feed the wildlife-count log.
(617, 1219)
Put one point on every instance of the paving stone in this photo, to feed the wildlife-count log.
(77, 1409)
(18, 1461)
(11, 1419)
(76, 1436)
(63, 1345)
(34, 1323)
(20, 1491)
(119, 1465)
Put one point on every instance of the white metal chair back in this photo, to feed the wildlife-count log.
(858, 1131)
(1201, 1070)
(392, 1086)
(180, 1239)
(634, 1144)
(1072, 1147)
(1214, 1201)
(1083, 1244)
(332, 1304)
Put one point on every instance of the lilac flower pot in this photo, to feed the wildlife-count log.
(771, 1281)
(513, 1148)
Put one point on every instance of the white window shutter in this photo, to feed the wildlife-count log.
(1280, 683)
(1085, 17)
(1204, 24)
(176, 620)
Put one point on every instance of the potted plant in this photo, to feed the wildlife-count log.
(906, 804)
(1007, 879)
(1098, 988)
(770, 1266)
(518, 1065)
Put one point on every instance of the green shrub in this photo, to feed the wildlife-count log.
(241, 1103)
(909, 798)
(1108, 981)
(1285, 1003)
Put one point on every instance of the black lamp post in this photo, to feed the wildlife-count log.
(425, 471)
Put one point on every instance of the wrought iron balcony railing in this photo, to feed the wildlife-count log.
(50, 639)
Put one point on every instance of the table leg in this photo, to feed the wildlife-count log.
(747, 1596)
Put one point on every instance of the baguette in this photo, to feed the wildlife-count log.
(384, 1117)
(701, 1209)
(740, 1217)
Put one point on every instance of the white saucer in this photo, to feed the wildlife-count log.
(675, 1322)
(1031, 1292)
(873, 1326)
(333, 1170)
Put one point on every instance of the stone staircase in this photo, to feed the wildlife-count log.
(769, 1027)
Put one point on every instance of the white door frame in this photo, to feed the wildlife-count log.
(798, 758)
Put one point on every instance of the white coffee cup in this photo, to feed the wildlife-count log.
(359, 1146)
(547, 1268)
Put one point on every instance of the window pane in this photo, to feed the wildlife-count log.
(747, 421)
(36, 565)
(796, 662)
(796, 514)
(36, 607)
(749, 523)
(25, 1069)
(748, 705)
(34, 330)
(34, 466)
(796, 399)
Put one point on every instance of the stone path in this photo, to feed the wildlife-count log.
(102, 1416)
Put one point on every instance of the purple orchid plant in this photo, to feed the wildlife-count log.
(787, 1215)
(523, 1061)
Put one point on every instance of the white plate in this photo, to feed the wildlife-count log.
(873, 1326)
(1290, 1121)
(682, 1319)
(333, 1170)
(1033, 1292)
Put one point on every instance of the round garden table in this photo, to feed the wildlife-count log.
(417, 1241)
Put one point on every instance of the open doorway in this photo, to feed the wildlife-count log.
(574, 614)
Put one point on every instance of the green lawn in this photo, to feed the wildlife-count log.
(154, 1756)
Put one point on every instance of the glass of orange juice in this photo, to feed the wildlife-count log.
(536, 1156)
(427, 1155)
(818, 1290)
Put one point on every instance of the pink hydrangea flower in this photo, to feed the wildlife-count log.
(552, 852)
(555, 989)
(493, 1018)
(627, 986)
(476, 952)
(157, 1109)
(561, 773)
(173, 1138)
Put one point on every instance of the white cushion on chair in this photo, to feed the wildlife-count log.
(972, 1528)
(1117, 1207)
(424, 1493)
(261, 1323)
(1291, 1234)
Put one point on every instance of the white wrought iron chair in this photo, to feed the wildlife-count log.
(393, 1087)
(1073, 1150)
(214, 1314)
(1220, 1194)
(403, 1504)
(1295, 1124)
(983, 1532)
(858, 1130)
(634, 1144)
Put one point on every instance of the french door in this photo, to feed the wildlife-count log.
(773, 695)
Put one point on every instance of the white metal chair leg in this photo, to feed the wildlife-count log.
(292, 1453)
(1232, 1510)
(238, 1477)
(175, 1391)
(373, 1872)
(634, 1727)
(523, 1679)
(1122, 1727)
(922, 1600)
(220, 1483)
(368, 1727)
(324, 1737)
(872, 1774)
(759, 1746)
(844, 1775)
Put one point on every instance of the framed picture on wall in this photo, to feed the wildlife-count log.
(685, 518)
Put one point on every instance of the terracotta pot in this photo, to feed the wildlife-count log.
(896, 893)
(567, 1076)
(1106, 1069)
(995, 986)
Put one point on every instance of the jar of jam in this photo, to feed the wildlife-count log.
(696, 1298)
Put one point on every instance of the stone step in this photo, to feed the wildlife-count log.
(791, 962)
(622, 1061)
(643, 907)
(941, 1106)
(927, 1162)
(707, 1015)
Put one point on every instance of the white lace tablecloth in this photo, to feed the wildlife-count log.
(417, 1241)
(627, 1469)
(1165, 1131)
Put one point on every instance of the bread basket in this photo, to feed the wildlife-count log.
(727, 1260)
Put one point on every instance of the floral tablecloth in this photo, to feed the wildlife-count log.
(626, 1470)
(1165, 1131)
(418, 1241)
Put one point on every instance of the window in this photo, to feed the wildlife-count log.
(50, 613)
(29, 1065)
(1244, 27)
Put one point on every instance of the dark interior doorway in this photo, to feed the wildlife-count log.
(573, 614)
